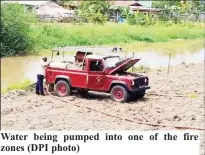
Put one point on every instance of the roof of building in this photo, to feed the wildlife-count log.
(33, 3)
(51, 8)
(145, 8)
(52, 5)
(134, 5)
(126, 3)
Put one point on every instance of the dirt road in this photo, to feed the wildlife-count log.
(25, 111)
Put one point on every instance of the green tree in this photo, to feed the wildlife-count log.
(165, 4)
(15, 28)
(95, 11)
(197, 8)
(126, 12)
(173, 9)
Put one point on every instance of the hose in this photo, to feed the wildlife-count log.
(121, 118)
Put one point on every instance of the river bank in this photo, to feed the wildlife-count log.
(47, 36)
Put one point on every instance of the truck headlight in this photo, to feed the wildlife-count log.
(145, 80)
(133, 82)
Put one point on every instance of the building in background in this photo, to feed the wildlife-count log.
(46, 10)
(51, 11)
(140, 6)
(134, 6)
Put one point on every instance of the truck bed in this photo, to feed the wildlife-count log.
(72, 71)
(65, 65)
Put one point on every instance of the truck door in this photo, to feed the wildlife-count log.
(95, 79)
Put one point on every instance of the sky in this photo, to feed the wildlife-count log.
(31, 2)
(146, 3)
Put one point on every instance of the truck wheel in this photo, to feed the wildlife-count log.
(62, 88)
(119, 94)
(140, 94)
(82, 91)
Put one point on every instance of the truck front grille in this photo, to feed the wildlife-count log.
(142, 81)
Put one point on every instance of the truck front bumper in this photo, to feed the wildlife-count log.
(141, 88)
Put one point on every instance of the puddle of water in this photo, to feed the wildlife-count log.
(154, 60)
(17, 69)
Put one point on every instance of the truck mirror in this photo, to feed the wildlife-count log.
(58, 53)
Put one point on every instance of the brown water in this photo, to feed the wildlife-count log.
(17, 69)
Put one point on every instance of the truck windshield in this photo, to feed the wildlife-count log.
(111, 62)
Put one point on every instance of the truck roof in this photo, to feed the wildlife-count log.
(84, 49)
(89, 49)
(101, 56)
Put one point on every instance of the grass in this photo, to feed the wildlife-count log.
(47, 36)
(18, 86)
(139, 69)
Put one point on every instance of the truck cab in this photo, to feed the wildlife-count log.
(99, 73)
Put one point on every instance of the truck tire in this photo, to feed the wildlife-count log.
(62, 88)
(140, 94)
(119, 93)
(82, 91)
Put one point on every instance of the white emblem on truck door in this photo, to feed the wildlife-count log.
(99, 79)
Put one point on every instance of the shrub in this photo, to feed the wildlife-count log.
(15, 29)
(131, 19)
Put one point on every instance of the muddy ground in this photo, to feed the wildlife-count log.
(23, 110)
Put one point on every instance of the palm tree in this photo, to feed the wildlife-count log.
(95, 11)
(126, 12)
(96, 6)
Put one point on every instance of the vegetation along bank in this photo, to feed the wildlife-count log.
(22, 34)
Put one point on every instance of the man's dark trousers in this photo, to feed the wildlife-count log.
(39, 85)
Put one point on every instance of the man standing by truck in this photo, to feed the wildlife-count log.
(40, 76)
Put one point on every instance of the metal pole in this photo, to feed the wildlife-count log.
(169, 64)
(133, 54)
(126, 54)
(52, 56)
(63, 55)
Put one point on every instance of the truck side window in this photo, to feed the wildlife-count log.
(96, 65)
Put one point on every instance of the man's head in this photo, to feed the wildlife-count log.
(45, 59)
